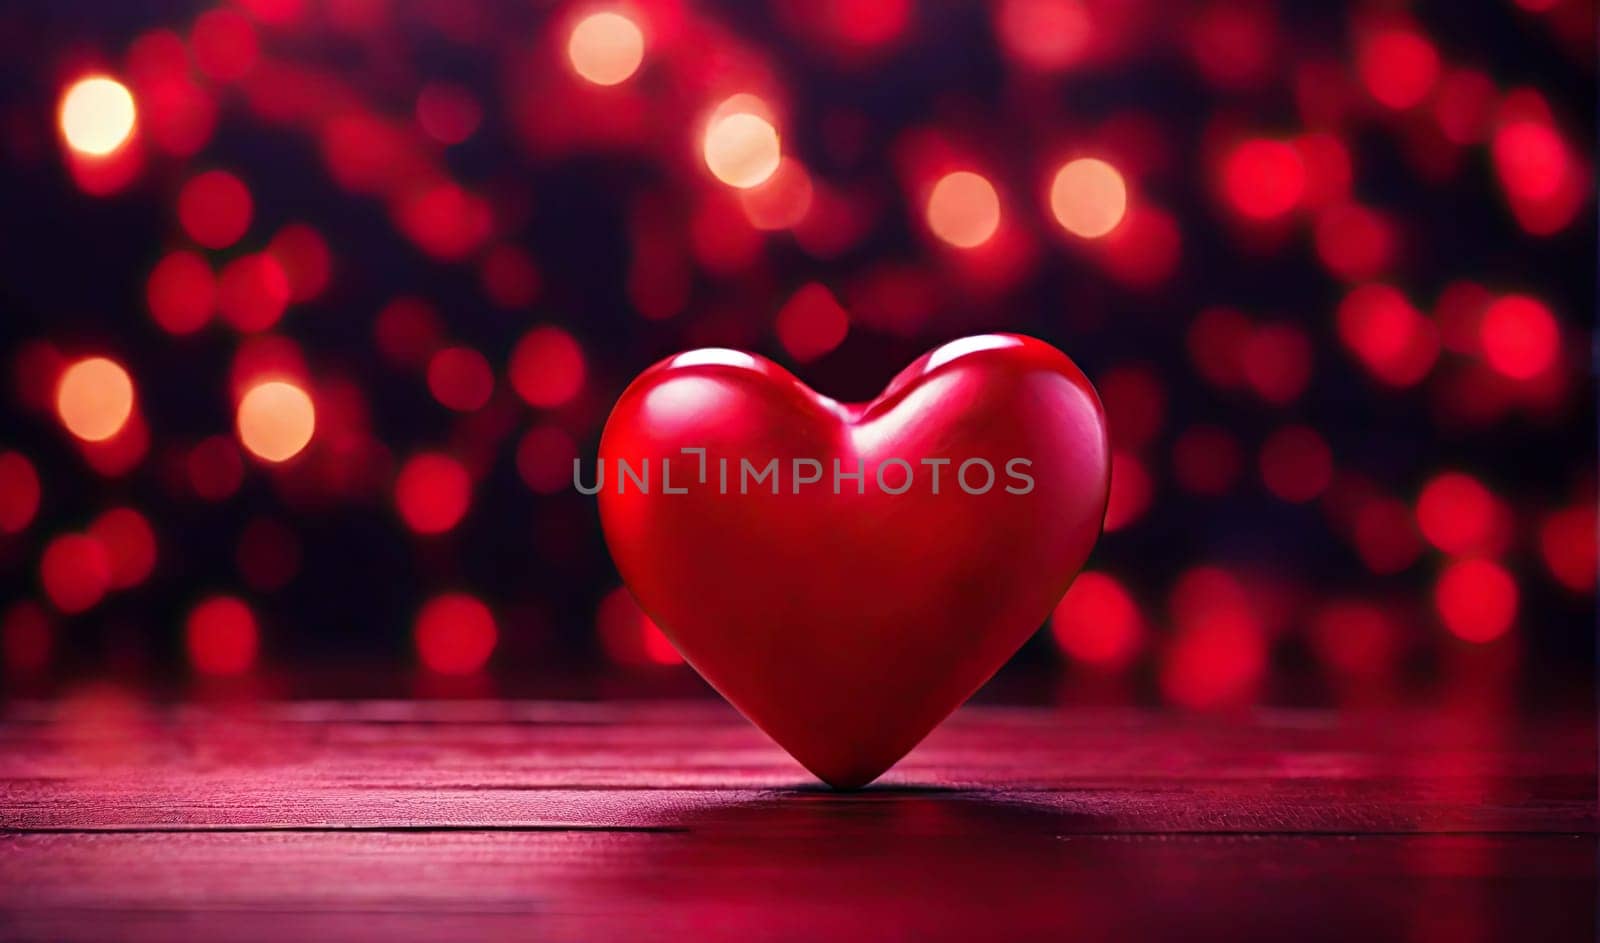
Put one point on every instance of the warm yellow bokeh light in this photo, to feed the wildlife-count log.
(742, 149)
(1088, 197)
(276, 420)
(97, 115)
(963, 209)
(94, 398)
(606, 48)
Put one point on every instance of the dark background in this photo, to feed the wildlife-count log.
(623, 184)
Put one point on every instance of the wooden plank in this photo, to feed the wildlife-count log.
(885, 875)
(664, 821)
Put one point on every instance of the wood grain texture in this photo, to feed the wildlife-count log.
(669, 821)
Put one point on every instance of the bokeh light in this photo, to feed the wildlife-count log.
(97, 115)
(129, 544)
(1296, 464)
(455, 634)
(276, 420)
(811, 323)
(544, 459)
(222, 636)
(547, 367)
(1520, 337)
(629, 636)
(252, 292)
(215, 209)
(1398, 66)
(741, 149)
(1088, 197)
(1263, 178)
(19, 492)
(1476, 599)
(432, 492)
(606, 48)
(963, 209)
(460, 379)
(181, 292)
(1098, 621)
(1046, 35)
(75, 572)
(94, 398)
(1457, 514)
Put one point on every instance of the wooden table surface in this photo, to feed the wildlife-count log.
(464, 820)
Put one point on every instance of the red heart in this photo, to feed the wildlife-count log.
(848, 625)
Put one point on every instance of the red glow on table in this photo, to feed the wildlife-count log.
(1098, 622)
(1457, 514)
(455, 634)
(303, 255)
(1398, 66)
(963, 209)
(460, 379)
(215, 209)
(1476, 599)
(19, 492)
(811, 323)
(75, 572)
(1263, 178)
(225, 45)
(1390, 337)
(544, 459)
(1296, 464)
(629, 636)
(129, 543)
(252, 292)
(94, 398)
(432, 493)
(222, 636)
(547, 368)
(1520, 337)
(181, 292)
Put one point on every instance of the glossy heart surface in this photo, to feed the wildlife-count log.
(846, 575)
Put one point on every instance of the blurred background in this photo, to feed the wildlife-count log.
(308, 306)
